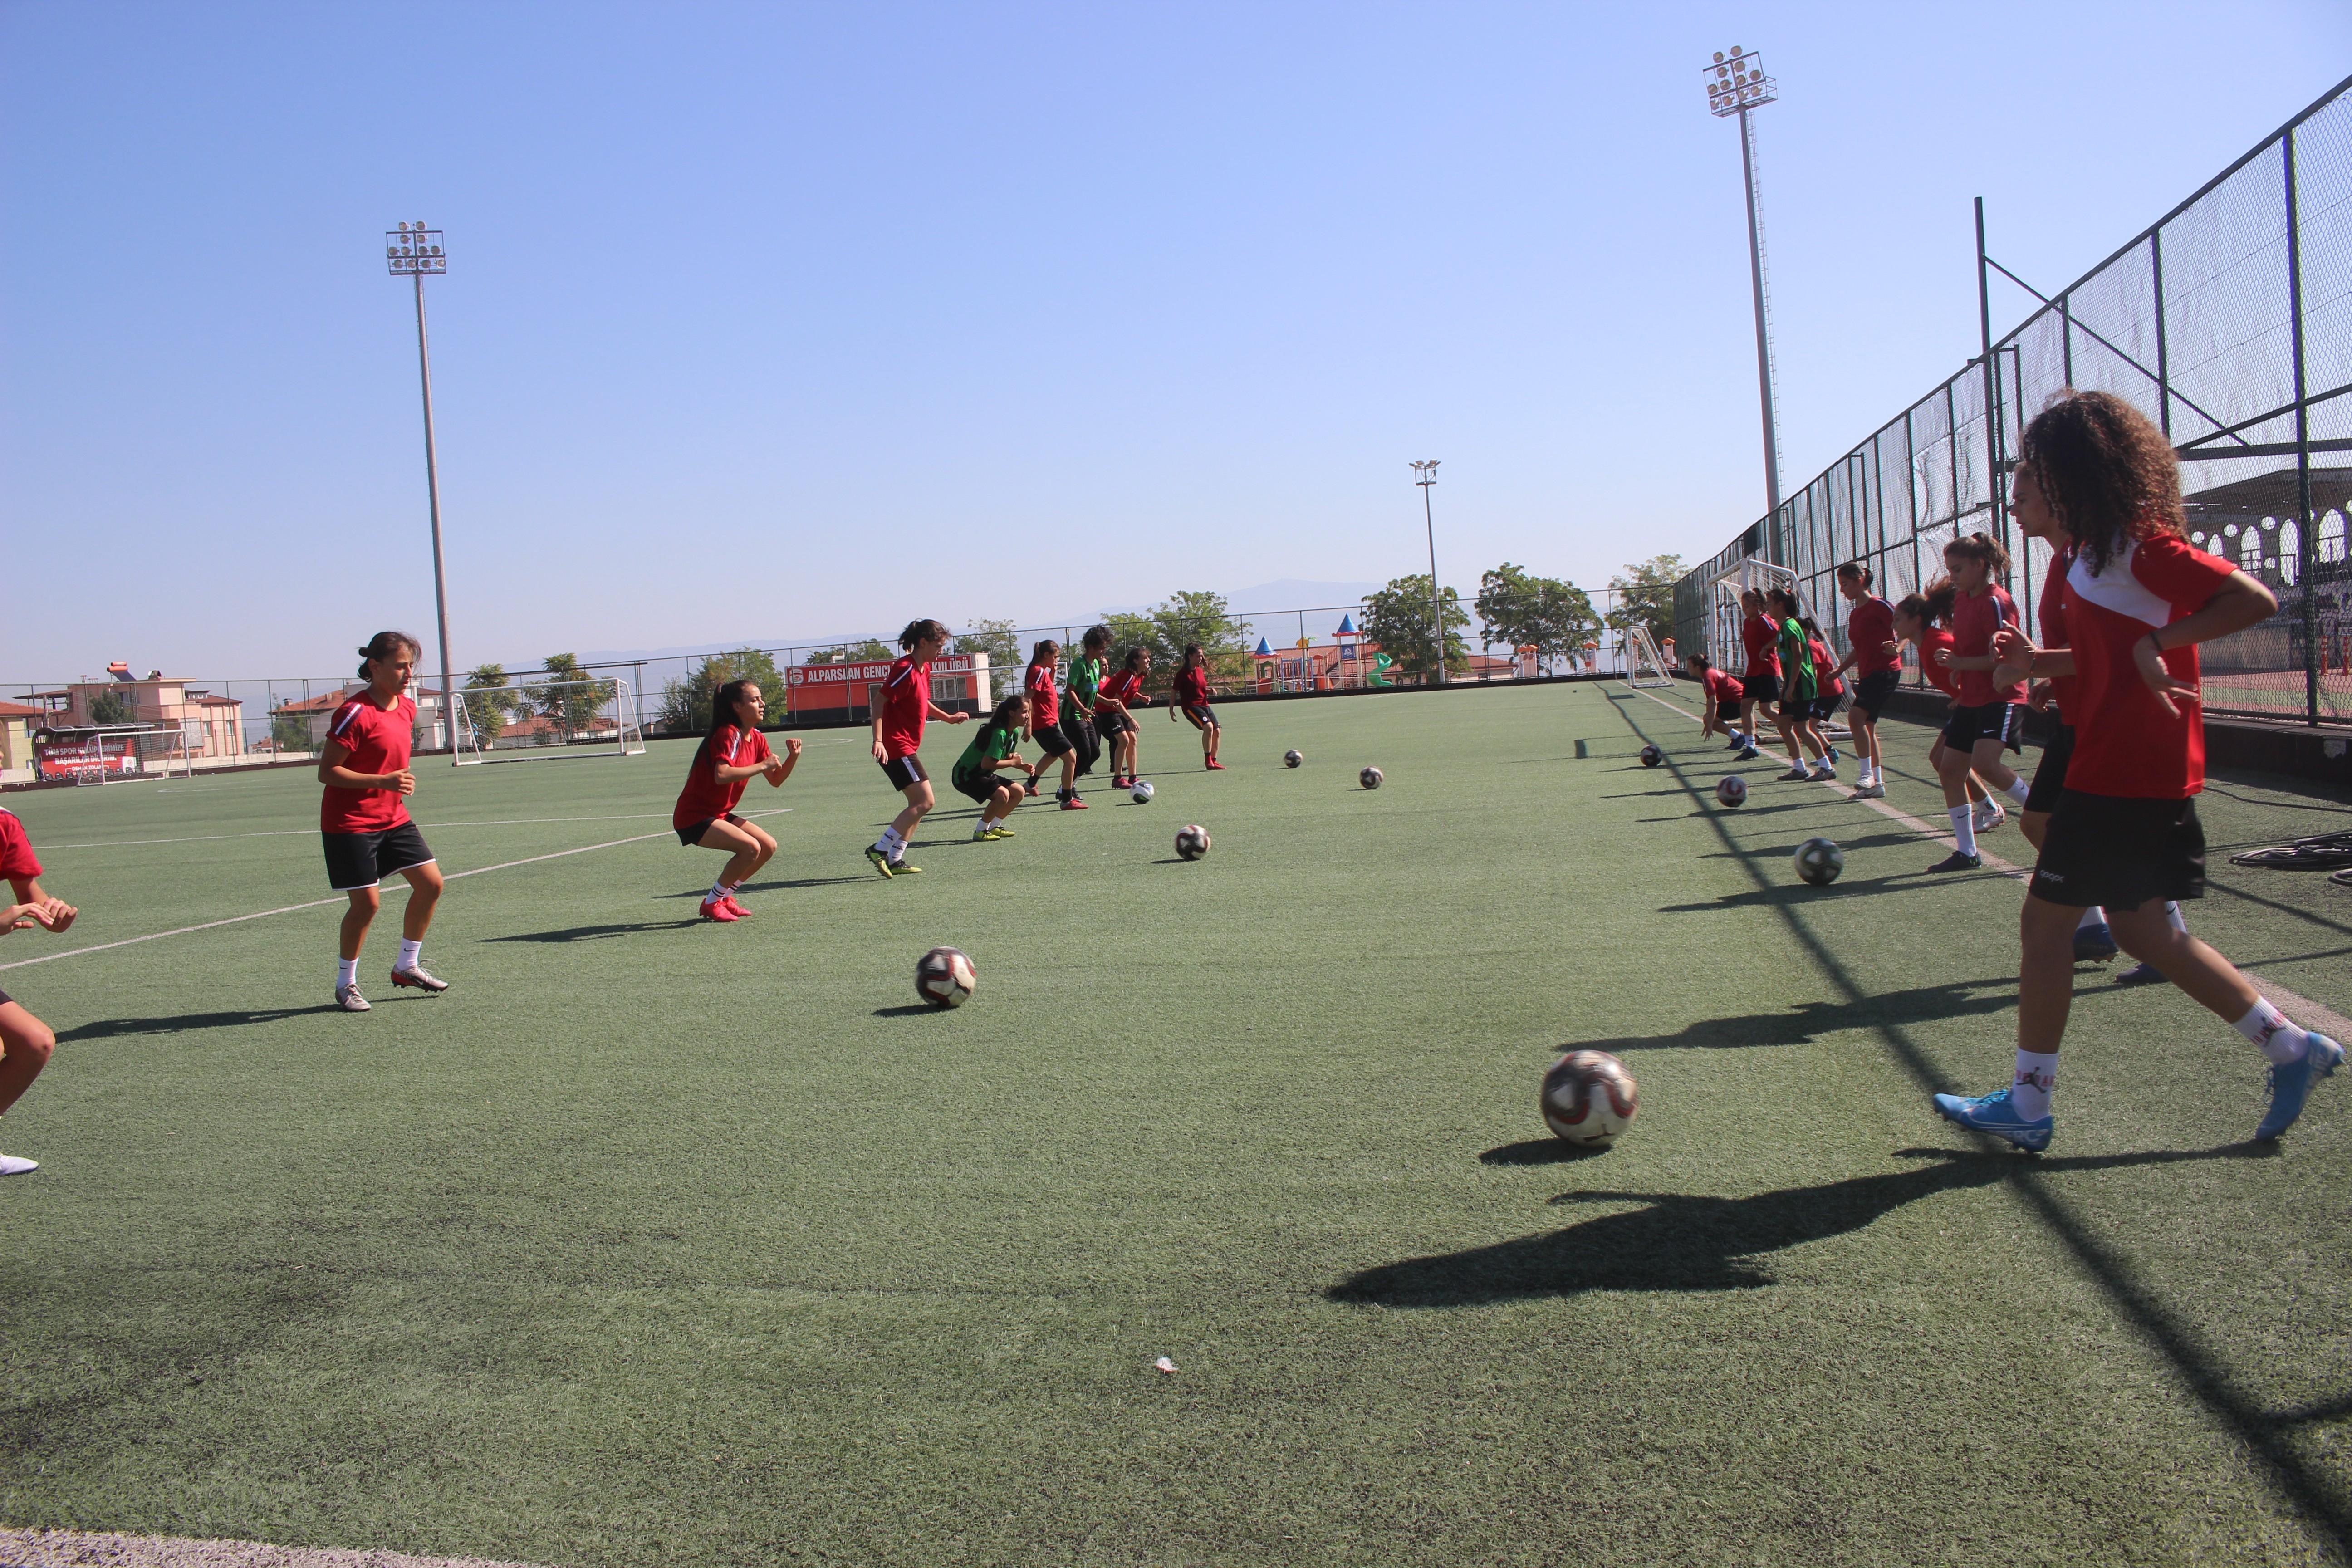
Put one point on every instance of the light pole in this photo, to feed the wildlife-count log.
(413, 251)
(1426, 475)
(1735, 84)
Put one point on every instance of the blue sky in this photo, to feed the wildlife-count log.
(770, 321)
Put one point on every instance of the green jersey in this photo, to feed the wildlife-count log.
(1085, 679)
(991, 745)
(1797, 679)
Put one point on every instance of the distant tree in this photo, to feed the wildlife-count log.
(486, 701)
(871, 651)
(289, 731)
(1519, 610)
(568, 695)
(995, 639)
(686, 703)
(1204, 618)
(1397, 621)
(1128, 630)
(1646, 597)
(110, 708)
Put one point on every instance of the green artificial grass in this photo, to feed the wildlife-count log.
(656, 1242)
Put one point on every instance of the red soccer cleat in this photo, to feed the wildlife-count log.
(741, 912)
(1216, 766)
(717, 909)
(1074, 804)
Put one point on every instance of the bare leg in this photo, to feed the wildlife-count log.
(918, 802)
(366, 901)
(2212, 980)
(27, 1042)
(424, 896)
(2045, 973)
(744, 849)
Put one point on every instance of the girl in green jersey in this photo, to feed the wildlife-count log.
(991, 770)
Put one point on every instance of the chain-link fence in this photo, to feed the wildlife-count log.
(2229, 322)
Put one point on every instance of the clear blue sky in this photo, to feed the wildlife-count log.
(770, 321)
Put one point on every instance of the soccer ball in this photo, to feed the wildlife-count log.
(1292, 758)
(1819, 861)
(944, 978)
(1652, 756)
(1141, 793)
(1731, 790)
(1193, 841)
(1370, 778)
(1589, 1098)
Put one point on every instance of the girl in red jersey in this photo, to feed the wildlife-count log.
(898, 738)
(363, 815)
(1045, 723)
(1191, 695)
(1122, 691)
(1831, 686)
(732, 755)
(1915, 623)
(1877, 666)
(25, 1041)
(1760, 686)
(1722, 699)
(2138, 599)
(1985, 719)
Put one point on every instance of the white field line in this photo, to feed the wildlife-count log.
(2303, 1009)
(303, 832)
(321, 903)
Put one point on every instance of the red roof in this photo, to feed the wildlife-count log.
(18, 710)
(324, 704)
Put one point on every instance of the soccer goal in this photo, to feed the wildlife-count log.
(1645, 665)
(541, 719)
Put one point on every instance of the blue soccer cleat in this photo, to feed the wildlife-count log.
(2093, 943)
(2291, 1083)
(2140, 975)
(1995, 1114)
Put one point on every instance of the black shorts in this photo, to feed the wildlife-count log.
(2002, 721)
(1727, 712)
(2119, 852)
(356, 860)
(1795, 707)
(982, 786)
(1827, 706)
(1762, 689)
(1050, 738)
(5, 998)
(691, 834)
(1201, 713)
(2050, 778)
(1109, 724)
(1871, 692)
(904, 773)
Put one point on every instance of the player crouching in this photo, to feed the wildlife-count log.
(25, 1041)
(991, 770)
(732, 755)
(363, 815)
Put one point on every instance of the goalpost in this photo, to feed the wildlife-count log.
(544, 719)
(1645, 665)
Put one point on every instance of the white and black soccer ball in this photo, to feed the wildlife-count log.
(1142, 792)
(944, 978)
(1731, 790)
(1292, 758)
(1819, 861)
(1652, 756)
(1589, 1098)
(1370, 778)
(1192, 841)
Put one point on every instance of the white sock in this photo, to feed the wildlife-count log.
(2277, 1039)
(2094, 916)
(719, 889)
(347, 973)
(408, 952)
(2037, 1075)
(2018, 790)
(2172, 915)
(890, 843)
(1964, 828)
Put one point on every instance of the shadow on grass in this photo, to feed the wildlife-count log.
(1678, 1241)
(594, 933)
(1808, 1021)
(910, 1010)
(1540, 1151)
(113, 1028)
(697, 894)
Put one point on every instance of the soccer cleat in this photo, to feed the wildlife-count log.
(349, 999)
(879, 856)
(900, 868)
(1748, 754)
(1796, 776)
(1990, 816)
(1873, 790)
(741, 912)
(1072, 803)
(1825, 774)
(982, 834)
(419, 980)
(1833, 756)
(717, 909)
(1003, 829)
(1996, 1115)
(1030, 788)
(1738, 742)
(17, 1165)
(1215, 766)
(2093, 943)
(2139, 975)
(2291, 1083)
(1956, 862)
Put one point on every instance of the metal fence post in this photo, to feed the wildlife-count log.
(2305, 548)
(2163, 351)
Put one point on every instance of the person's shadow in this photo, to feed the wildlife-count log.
(1680, 1241)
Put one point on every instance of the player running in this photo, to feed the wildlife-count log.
(991, 770)
(25, 1041)
(1985, 719)
(1916, 621)
(732, 755)
(898, 738)
(2138, 599)
(1761, 685)
(1722, 699)
(1878, 668)
(1078, 696)
(1191, 695)
(1121, 693)
(1799, 689)
(1045, 722)
(363, 817)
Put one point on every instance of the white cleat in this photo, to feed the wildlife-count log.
(1992, 817)
(419, 978)
(15, 1165)
(349, 999)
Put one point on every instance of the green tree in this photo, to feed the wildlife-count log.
(1397, 621)
(486, 701)
(1130, 630)
(1204, 618)
(1646, 597)
(995, 639)
(686, 702)
(568, 696)
(865, 652)
(289, 731)
(110, 708)
(1519, 610)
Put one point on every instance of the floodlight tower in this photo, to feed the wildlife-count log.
(1735, 84)
(1426, 475)
(413, 251)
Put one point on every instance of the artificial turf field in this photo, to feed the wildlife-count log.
(660, 1242)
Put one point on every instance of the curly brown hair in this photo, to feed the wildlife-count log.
(2107, 471)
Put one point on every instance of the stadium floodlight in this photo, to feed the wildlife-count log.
(1735, 84)
(1424, 474)
(413, 251)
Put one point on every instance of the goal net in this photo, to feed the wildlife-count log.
(1645, 665)
(538, 720)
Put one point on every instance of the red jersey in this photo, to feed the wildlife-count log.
(1763, 641)
(1939, 676)
(17, 857)
(906, 703)
(1123, 686)
(1721, 687)
(1975, 617)
(704, 796)
(2052, 626)
(1830, 685)
(1044, 707)
(1868, 629)
(378, 740)
(1192, 686)
(2125, 742)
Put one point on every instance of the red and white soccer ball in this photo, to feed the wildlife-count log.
(1192, 841)
(1589, 1098)
(944, 978)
